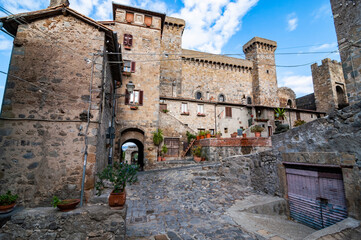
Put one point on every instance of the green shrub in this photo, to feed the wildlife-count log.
(8, 198)
(299, 123)
(190, 136)
(257, 128)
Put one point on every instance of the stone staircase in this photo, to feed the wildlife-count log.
(207, 173)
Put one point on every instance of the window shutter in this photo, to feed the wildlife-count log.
(228, 112)
(141, 98)
(132, 69)
(126, 40)
(130, 40)
(126, 97)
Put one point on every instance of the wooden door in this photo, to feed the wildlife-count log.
(173, 147)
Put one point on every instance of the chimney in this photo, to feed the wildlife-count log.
(54, 3)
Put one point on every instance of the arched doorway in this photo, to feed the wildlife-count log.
(289, 103)
(341, 98)
(136, 156)
(135, 136)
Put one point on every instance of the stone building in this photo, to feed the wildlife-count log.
(66, 67)
(347, 19)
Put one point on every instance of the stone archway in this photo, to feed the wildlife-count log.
(136, 136)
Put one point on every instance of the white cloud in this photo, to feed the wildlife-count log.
(292, 22)
(211, 23)
(325, 46)
(323, 11)
(302, 85)
(5, 44)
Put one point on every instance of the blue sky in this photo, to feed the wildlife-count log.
(224, 26)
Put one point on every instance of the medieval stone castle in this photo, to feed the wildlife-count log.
(66, 94)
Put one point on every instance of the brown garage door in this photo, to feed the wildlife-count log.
(316, 197)
(173, 147)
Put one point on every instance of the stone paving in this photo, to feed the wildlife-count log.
(184, 203)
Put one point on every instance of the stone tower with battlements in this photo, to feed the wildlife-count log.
(329, 85)
(171, 67)
(261, 52)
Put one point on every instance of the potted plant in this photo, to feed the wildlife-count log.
(190, 136)
(202, 134)
(280, 113)
(119, 175)
(218, 134)
(234, 135)
(165, 110)
(298, 122)
(157, 140)
(7, 202)
(208, 134)
(244, 135)
(257, 130)
(197, 153)
(164, 151)
(133, 107)
(65, 205)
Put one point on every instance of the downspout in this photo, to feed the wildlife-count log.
(215, 118)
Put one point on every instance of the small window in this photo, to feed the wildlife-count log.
(128, 41)
(228, 112)
(221, 98)
(198, 95)
(201, 130)
(311, 115)
(225, 130)
(249, 100)
(267, 71)
(129, 17)
(200, 109)
(207, 95)
(289, 103)
(128, 66)
(184, 107)
(136, 97)
(162, 107)
(212, 131)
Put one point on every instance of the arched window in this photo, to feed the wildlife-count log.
(289, 103)
(221, 98)
(198, 95)
(249, 100)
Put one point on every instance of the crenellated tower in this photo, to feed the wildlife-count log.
(171, 47)
(261, 52)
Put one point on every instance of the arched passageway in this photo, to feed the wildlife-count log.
(341, 98)
(136, 136)
(137, 156)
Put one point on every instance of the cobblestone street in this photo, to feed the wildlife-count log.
(187, 202)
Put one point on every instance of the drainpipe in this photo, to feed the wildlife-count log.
(215, 118)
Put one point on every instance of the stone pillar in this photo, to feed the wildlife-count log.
(54, 3)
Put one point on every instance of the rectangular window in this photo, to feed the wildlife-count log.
(162, 107)
(311, 115)
(225, 130)
(212, 131)
(128, 66)
(201, 130)
(135, 98)
(184, 108)
(228, 112)
(128, 41)
(200, 109)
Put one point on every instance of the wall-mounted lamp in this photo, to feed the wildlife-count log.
(130, 87)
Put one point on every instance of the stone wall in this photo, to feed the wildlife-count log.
(42, 122)
(306, 102)
(171, 67)
(92, 222)
(259, 170)
(326, 78)
(347, 18)
(287, 97)
(218, 149)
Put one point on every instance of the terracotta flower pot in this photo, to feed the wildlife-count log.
(159, 159)
(208, 135)
(68, 204)
(7, 208)
(198, 137)
(218, 135)
(244, 135)
(257, 134)
(117, 200)
(202, 137)
(233, 135)
(197, 159)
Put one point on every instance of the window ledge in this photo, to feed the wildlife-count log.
(127, 73)
(201, 114)
(185, 113)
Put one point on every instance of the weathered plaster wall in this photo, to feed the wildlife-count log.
(347, 19)
(42, 148)
(145, 78)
